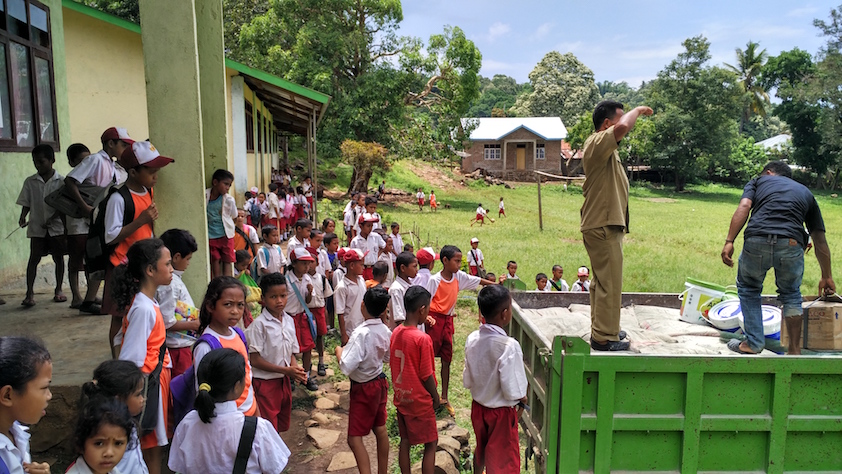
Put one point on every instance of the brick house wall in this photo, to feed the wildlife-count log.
(551, 162)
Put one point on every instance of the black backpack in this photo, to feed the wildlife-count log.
(254, 212)
(97, 252)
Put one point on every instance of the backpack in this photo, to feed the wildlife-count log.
(183, 386)
(254, 212)
(97, 251)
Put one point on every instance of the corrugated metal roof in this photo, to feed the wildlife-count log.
(775, 142)
(497, 128)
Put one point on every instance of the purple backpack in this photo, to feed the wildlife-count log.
(183, 386)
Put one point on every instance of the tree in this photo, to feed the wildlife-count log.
(125, 9)
(561, 86)
(500, 92)
(365, 157)
(749, 64)
(576, 137)
(621, 92)
(695, 110)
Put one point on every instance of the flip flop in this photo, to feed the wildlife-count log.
(28, 303)
(734, 345)
(75, 306)
(59, 298)
(90, 307)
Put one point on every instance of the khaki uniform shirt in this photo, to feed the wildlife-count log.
(606, 187)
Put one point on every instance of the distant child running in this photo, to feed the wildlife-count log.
(481, 213)
(420, 196)
(414, 382)
(444, 287)
(434, 205)
(25, 373)
(495, 376)
(502, 209)
(174, 299)
(103, 436)
(362, 361)
(272, 349)
(221, 214)
(209, 437)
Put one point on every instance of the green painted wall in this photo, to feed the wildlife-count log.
(16, 167)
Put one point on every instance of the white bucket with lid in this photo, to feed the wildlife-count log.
(698, 297)
(772, 318)
(726, 316)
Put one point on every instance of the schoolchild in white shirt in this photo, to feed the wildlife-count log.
(371, 208)
(362, 361)
(102, 437)
(300, 290)
(397, 241)
(370, 243)
(349, 294)
(303, 228)
(426, 261)
(317, 306)
(495, 376)
(407, 267)
(270, 257)
(208, 438)
(475, 258)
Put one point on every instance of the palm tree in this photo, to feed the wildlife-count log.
(749, 64)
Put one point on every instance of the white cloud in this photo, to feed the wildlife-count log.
(541, 31)
(801, 12)
(497, 30)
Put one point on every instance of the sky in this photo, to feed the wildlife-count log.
(619, 41)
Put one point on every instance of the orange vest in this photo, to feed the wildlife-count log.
(445, 297)
(153, 343)
(144, 232)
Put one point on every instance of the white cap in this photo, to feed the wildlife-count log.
(475, 240)
(583, 271)
(300, 253)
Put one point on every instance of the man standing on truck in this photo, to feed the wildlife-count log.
(605, 219)
(775, 238)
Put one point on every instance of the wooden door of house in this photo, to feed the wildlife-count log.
(521, 157)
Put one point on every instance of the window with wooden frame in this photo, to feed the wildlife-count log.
(249, 128)
(540, 152)
(491, 152)
(27, 89)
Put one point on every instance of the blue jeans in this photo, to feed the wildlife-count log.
(760, 254)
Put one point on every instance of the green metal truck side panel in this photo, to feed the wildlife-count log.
(629, 413)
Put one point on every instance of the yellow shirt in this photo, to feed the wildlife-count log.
(606, 187)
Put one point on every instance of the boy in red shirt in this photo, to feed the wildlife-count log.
(414, 382)
(444, 287)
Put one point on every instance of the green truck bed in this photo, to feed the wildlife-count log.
(630, 413)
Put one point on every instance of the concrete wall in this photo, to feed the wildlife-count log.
(16, 167)
(551, 162)
(105, 82)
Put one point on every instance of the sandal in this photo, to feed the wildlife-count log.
(28, 302)
(734, 345)
(59, 298)
(444, 405)
(321, 371)
(90, 307)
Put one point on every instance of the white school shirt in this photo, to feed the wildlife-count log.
(337, 277)
(307, 188)
(422, 277)
(141, 318)
(480, 211)
(321, 291)
(264, 207)
(98, 169)
(274, 339)
(371, 244)
(276, 261)
(41, 220)
(378, 224)
(502, 206)
(397, 245)
(358, 211)
(252, 234)
(564, 286)
(81, 467)
(494, 370)
(211, 448)
(229, 212)
(14, 454)
(579, 286)
(475, 262)
(293, 243)
(324, 262)
(419, 195)
(202, 349)
(114, 211)
(347, 209)
(390, 274)
(132, 461)
(272, 205)
(348, 299)
(396, 293)
(167, 296)
(294, 306)
(463, 280)
(367, 349)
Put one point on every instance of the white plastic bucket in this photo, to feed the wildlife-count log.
(697, 297)
(726, 316)
(771, 322)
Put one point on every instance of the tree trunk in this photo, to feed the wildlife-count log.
(679, 182)
(359, 180)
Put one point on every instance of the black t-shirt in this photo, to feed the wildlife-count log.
(781, 206)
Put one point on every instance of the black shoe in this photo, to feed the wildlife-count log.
(311, 385)
(321, 370)
(610, 346)
(622, 335)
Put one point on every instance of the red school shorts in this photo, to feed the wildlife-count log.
(442, 335)
(474, 271)
(480, 217)
(368, 273)
(319, 318)
(498, 447)
(418, 429)
(302, 332)
(182, 359)
(368, 405)
(222, 249)
(420, 201)
(274, 399)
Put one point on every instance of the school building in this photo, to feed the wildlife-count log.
(73, 71)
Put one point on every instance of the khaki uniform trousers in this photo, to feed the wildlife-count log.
(605, 249)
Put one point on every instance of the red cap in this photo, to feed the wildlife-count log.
(116, 133)
(340, 254)
(142, 154)
(300, 253)
(354, 255)
(426, 256)
(313, 251)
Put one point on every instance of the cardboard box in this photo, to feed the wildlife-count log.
(825, 324)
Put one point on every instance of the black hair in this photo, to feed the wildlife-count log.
(44, 151)
(606, 109)
(20, 360)
(314, 232)
(241, 256)
(222, 369)
(76, 149)
(215, 289)
(179, 241)
(100, 411)
(376, 300)
(125, 282)
(327, 221)
(394, 224)
(448, 251)
(222, 174)
(329, 237)
(404, 259)
(299, 190)
(558, 266)
(492, 300)
(779, 168)
(270, 280)
(380, 268)
(415, 297)
(370, 200)
(540, 276)
(261, 194)
(490, 276)
(267, 229)
(273, 187)
(510, 263)
(302, 223)
(249, 195)
(113, 379)
(408, 248)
